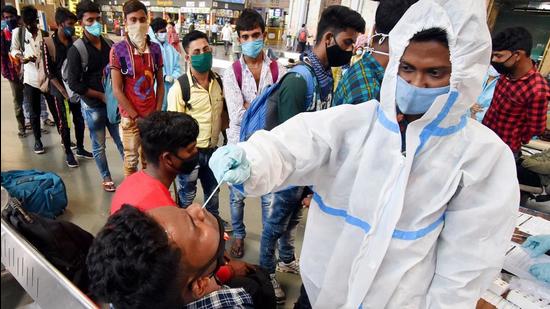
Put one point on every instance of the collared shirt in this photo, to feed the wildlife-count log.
(360, 83)
(518, 110)
(206, 107)
(34, 73)
(80, 81)
(223, 298)
(235, 96)
(61, 50)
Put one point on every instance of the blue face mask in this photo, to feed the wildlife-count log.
(252, 49)
(4, 24)
(412, 100)
(94, 29)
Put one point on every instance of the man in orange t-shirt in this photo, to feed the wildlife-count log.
(169, 143)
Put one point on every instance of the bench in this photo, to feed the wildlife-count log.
(41, 280)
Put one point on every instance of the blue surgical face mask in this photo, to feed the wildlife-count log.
(94, 29)
(413, 100)
(4, 24)
(252, 49)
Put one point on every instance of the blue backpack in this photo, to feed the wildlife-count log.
(39, 192)
(263, 111)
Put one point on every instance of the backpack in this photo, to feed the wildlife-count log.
(186, 88)
(62, 243)
(263, 111)
(123, 52)
(84, 57)
(40, 192)
(302, 36)
(238, 71)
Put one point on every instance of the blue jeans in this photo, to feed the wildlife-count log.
(237, 211)
(96, 120)
(187, 190)
(281, 226)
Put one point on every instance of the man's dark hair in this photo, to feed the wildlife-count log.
(166, 132)
(62, 15)
(133, 264)
(338, 18)
(249, 20)
(389, 12)
(192, 36)
(158, 23)
(132, 6)
(10, 10)
(172, 23)
(86, 6)
(431, 34)
(512, 39)
(29, 14)
(303, 25)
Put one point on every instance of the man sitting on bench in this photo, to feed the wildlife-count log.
(164, 258)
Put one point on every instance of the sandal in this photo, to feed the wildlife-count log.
(49, 122)
(237, 249)
(109, 186)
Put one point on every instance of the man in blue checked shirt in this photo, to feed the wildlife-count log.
(363, 79)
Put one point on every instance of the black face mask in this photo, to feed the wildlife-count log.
(501, 68)
(338, 57)
(12, 23)
(187, 165)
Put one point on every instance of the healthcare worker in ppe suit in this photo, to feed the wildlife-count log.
(427, 228)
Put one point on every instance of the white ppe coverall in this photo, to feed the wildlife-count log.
(384, 230)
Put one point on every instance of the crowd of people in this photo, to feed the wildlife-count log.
(411, 202)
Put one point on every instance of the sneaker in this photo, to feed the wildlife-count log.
(82, 153)
(73, 145)
(227, 226)
(71, 161)
(292, 267)
(38, 147)
(280, 296)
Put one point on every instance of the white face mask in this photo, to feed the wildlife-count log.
(161, 36)
(137, 33)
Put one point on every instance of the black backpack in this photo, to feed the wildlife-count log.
(62, 243)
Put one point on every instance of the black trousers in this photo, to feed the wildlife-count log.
(61, 109)
(303, 300)
(32, 99)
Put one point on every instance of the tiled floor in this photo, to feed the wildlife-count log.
(89, 204)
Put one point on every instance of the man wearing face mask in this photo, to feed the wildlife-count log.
(169, 142)
(170, 56)
(307, 87)
(427, 226)
(199, 93)
(87, 83)
(10, 70)
(58, 45)
(520, 101)
(363, 80)
(138, 80)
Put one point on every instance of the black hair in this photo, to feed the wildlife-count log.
(62, 15)
(389, 12)
(29, 14)
(86, 6)
(192, 36)
(512, 39)
(338, 18)
(10, 10)
(133, 264)
(172, 23)
(132, 6)
(158, 23)
(431, 34)
(166, 132)
(303, 25)
(249, 20)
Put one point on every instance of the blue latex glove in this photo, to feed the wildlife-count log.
(541, 272)
(229, 164)
(537, 245)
